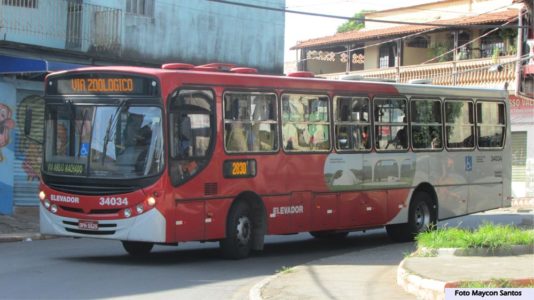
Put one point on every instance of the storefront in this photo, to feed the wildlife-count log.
(522, 120)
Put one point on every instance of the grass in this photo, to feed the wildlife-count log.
(494, 283)
(285, 269)
(488, 235)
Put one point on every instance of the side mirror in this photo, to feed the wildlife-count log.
(28, 122)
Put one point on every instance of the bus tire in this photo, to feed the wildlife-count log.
(239, 232)
(137, 249)
(421, 217)
(329, 235)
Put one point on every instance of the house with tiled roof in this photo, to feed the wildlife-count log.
(482, 43)
(444, 39)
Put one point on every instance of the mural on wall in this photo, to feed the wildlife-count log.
(29, 148)
(6, 123)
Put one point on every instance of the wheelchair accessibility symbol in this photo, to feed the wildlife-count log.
(84, 151)
(469, 163)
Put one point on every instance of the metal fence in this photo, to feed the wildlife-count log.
(475, 72)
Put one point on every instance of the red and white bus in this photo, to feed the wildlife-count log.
(218, 153)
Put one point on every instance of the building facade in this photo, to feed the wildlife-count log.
(482, 43)
(41, 36)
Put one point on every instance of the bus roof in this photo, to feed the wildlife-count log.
(315, 84)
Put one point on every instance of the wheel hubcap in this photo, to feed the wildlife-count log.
(422, 216)
(243, 230)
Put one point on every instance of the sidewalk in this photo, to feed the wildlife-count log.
(22, 225)
(377, 274)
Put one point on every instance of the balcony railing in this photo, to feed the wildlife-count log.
(475, 72)
(64, 24)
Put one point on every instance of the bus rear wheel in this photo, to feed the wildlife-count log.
(239, 232)
(137, 248)
(421, 217)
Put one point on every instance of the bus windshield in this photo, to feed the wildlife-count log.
(121, 141)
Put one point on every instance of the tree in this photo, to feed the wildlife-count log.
(357, 22)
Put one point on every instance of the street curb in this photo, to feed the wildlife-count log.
(23, 237)
(500, 251)
(422, 288)
(432, 289)
(255, 292)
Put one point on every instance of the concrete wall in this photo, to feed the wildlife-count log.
(44, 26)
(429, 12)
(189, 31)
(200, 32)
(371, 56)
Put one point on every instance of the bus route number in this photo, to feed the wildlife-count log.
(239, 168)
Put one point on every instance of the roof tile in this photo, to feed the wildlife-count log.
(363, 34)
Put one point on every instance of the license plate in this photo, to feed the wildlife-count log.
(88, 225)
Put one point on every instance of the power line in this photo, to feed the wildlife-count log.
(360, 19)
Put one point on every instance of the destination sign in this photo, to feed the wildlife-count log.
(102, 83)
(66, 168)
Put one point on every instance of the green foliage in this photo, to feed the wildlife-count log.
(356, 23)
(486, 236)
(285, 269)
(438, 50)
(494, 283)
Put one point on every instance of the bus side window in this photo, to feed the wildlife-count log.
(250, 122)
(305, 123)
(352, 123)
(391, 124)
(426, 124)
(490, 124)
(459, 124)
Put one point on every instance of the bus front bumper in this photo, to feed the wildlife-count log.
(147, 227)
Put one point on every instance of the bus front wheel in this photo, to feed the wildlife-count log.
(421, 217)
(239, 232)
(137, 248)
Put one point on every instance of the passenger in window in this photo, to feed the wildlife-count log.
(186, 148)
(435, 142)
(237, 138)
(401, 139)
(361, 138)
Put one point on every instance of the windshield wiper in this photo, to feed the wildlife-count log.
(112, 124)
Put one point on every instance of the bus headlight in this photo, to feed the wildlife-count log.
(151, 201)
(53, 208)
(47, 204)
(127, 213)
(139, 208)
(42, 195)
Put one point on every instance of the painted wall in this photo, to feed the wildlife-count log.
(7, 145)
(371, 56)
(199, 32)
(437, 10)
(190, 31)
(44, 26)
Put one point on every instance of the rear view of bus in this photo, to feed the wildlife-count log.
(103, 157)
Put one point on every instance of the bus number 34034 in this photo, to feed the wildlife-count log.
(112, 201)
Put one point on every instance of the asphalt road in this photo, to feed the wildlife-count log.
(89, 268)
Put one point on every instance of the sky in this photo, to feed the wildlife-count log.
(301, 27)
